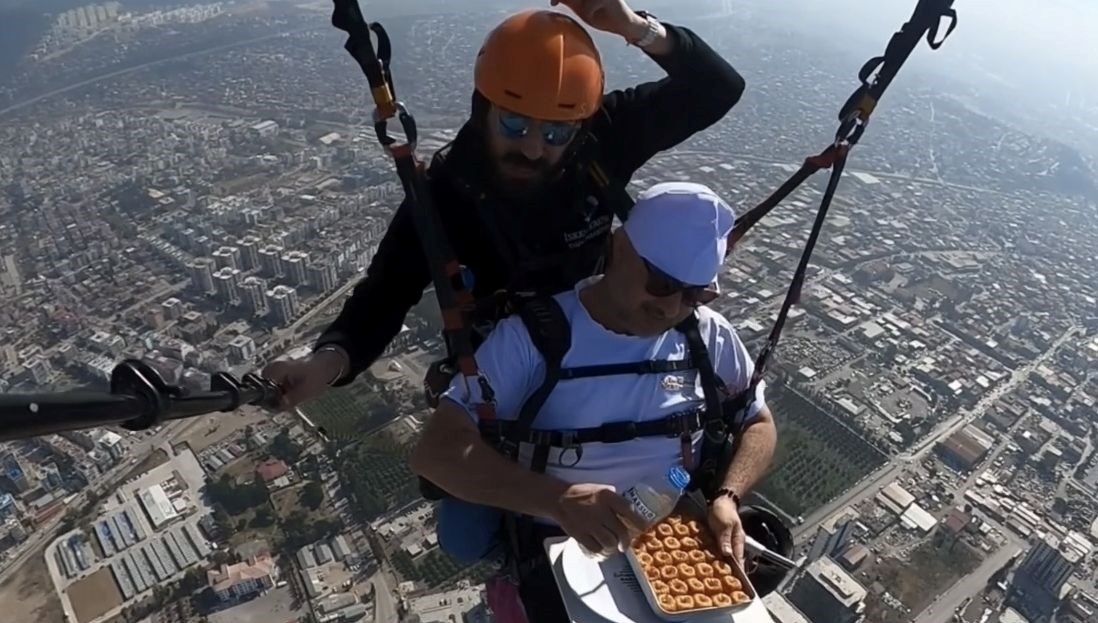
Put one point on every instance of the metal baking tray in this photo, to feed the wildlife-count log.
(686, 507)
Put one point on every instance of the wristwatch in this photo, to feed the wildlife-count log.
(725, 491)
(650, 34)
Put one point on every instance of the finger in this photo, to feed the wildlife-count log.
(624, 513)
(725, 541)
(738, 542)
(589, 542)
(617, 528)
(606, 538)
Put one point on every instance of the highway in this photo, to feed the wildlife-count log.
(135, 68)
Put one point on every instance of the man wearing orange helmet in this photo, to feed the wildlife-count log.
(514, 190)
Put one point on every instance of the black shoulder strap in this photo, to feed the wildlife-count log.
(551, 334)
(610, 190)
(716, 431)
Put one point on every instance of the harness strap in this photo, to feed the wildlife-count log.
(716, 430)
(875, 77)
(451, 284)
(612, 432)
(648, 366)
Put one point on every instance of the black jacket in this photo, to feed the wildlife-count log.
(633, 125)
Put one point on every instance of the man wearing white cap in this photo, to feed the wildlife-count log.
(662, 269)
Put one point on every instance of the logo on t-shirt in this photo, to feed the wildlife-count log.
(673, 383)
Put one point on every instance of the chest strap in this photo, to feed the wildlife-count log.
(685, 422)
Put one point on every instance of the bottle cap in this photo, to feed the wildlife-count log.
(679, 477)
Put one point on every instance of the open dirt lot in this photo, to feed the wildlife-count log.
(28, 594)
(211, 429)
(94, 596)
(277, 606)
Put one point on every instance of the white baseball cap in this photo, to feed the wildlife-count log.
(682, 228)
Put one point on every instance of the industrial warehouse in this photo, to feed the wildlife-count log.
(146, 535)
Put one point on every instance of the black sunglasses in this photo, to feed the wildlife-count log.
(659, 284)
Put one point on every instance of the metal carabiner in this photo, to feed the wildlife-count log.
(568, 444)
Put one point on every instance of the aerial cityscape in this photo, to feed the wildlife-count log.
(198, 186)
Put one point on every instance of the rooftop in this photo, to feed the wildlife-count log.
(838, 582)
(782, 611)
(230, 575)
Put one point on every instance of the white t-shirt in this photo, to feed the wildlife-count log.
(514, 369)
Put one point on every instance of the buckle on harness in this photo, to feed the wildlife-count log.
(541, 437)
(568, 444)
(617, 432)
(716, 431)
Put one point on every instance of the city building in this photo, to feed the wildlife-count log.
(255, 295)
(294, 263)
(244, 579)
(225, 280)
(110, 443)
(227, 257)
(41, 371)
(964, 449)
(265, 129)
(14, 477)
(283, 301)
(781, 610)
(340, 548)
(242, 348)
(201, 272)
(51, 477)
(7, 506)
(249, 253)
(271, 469)
(828, 593)
(461, 604)
(322, 276)
(173, 308)
(1035, 589)
(158, 507)
(270, 261)
(832, 537)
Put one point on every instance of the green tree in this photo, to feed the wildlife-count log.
(312, 495)
(263, 517)
(285, 448)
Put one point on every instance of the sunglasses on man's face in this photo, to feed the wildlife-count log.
(554, 133)
(660, 285)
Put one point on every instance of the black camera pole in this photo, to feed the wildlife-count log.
(138, 399)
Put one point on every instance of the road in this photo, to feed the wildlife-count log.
(385, 610)
(887, 473)
(968, 586)
(135, 68)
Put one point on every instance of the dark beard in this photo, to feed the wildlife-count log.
(512, 189)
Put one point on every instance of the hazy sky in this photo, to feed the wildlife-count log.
(1021, 41)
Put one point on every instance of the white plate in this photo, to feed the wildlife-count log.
(587, 579)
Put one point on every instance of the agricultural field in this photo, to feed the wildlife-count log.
(347, 413)
(817, 458)
(376, 472)
(436, 568)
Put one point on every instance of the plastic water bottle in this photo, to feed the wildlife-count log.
(653, 499)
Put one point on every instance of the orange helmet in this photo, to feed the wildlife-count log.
(541, 64)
